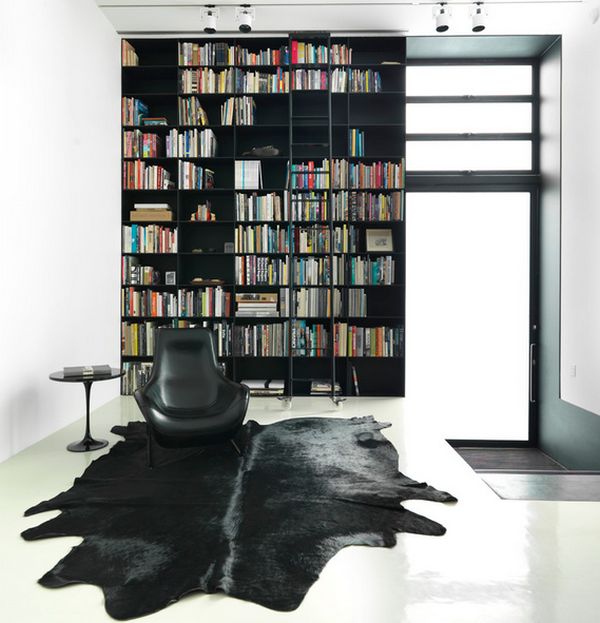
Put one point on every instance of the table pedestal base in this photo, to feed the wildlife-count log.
(87, 444)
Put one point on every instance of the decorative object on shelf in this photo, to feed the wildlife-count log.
(379, 240)
(228, 247)
(170, 278)
(204, 281)
(357, 465)
(265, 151)
(87, 376)
(203, 213)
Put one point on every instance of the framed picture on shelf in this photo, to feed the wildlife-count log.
(379, 240)
(170, 278)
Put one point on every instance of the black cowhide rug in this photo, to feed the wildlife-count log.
(260, 528)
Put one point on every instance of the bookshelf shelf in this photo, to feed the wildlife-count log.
(306, 125)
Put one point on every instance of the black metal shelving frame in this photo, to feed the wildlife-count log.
(343, 111)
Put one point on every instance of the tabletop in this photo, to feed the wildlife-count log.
(59, 376)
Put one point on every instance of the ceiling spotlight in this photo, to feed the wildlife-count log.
(244, 16)
(441, 12)
(210, 14)
(478, 15)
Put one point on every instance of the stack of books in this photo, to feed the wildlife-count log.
(151, 212)
(86, 371)
(323, 388)
(264, 387)
(154, 121)
(257, 305)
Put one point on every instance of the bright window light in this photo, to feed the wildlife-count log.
(468, 155)
(468, 80)
(467, 306)
(459, 118)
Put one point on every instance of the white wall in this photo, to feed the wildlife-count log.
(60, 179)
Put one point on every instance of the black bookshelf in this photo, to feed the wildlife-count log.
(305, 125)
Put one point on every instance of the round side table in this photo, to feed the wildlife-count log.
(88, 442)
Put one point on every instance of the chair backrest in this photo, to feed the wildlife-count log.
(185, 373)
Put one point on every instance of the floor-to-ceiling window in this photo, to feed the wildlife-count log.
(471, 232)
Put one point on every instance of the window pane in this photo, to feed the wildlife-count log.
(469, 80)
(468, 311)
(457, 118)
(468, 155)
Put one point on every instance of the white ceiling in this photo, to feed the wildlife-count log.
(168, 17)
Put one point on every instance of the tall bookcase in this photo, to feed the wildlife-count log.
(336, 176)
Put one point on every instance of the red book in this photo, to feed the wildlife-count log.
(294, 51)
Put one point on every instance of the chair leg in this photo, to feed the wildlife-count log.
(236, 447)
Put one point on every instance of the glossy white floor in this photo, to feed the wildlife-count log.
(500, 561)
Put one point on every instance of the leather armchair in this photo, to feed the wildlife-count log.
(187, 400)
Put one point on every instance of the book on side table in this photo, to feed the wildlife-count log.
(71, 371)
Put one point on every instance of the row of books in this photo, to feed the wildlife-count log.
(254, 207)
(251, 270)
(313, 271)
(138, 144)
(310, 79)
(374, 175)
(320, 239)
(316, 302)
(261, 340)
(221, 53)
(268, 340)
(207, 81)
(191, 111)
(148, 303)
(356, 142)
(204, 302)
(195, 143)
(309, 175)
(195, 177)
(303, 52)
(309, 206)
(138, 339)
(248, 174)
(261, 239)
(135, 375)
(372, 271)
(356, 341)
(240, 81)
(134, 273)
(310, 340)
(262, 82)
(149, 239)
(238, 111)
(138, 175)
(365, 206)
(133, 110)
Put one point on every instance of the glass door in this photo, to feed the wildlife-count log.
(468, 311)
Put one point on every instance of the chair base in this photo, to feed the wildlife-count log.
(152, 444)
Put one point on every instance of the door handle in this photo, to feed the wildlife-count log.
(532, 375)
